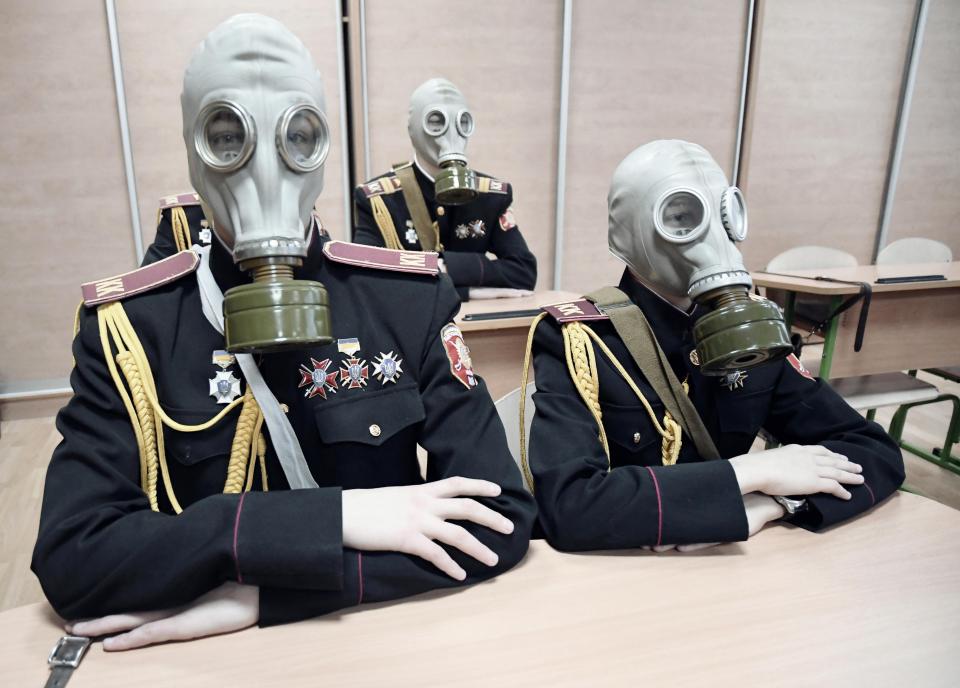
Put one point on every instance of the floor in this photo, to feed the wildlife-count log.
(27, 443)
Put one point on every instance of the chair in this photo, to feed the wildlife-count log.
(914, 250)
(810, 258)
(508, 408)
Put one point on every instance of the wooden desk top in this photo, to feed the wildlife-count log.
(873, 602)
(800, 280)
(521, 303)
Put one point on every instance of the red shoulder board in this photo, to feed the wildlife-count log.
(491, 185)
(180, 199)
(574, 310)
(383, 185)
(140, 280)
(419, 262)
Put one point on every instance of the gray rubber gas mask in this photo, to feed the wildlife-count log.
(440, 124)
(257, 138)
(674, 220)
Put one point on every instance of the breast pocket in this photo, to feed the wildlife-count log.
(372, 439)
(632, 437)
(191, 448)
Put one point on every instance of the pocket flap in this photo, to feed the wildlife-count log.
(369, 418)
(630, 426)
(191, 448)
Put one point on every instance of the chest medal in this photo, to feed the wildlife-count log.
(224, 385)
(734, 380)
(387, 367)
(318, 380)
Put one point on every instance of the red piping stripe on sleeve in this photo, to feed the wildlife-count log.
(236, 532)
(656, 486)
(360, 576)
(873, 498)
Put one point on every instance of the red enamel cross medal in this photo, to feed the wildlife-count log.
(354, 373)
(318, 380)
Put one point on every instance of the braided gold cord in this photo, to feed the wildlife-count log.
(181, 228)
(385, 223)
(243, 447)
(582, 364)
(146, 419)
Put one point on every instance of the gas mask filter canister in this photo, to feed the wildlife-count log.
(674, 220)
(257, 138)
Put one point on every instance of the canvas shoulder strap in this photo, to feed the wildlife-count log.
(426, 233)
(637, 335)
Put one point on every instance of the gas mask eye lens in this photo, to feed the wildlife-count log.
(733, 213)
(225, 137)
(435, 122)
(681, 216)
(303, 138)
(465, 123)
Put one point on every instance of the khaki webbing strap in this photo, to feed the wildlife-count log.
(632, 327)
(385, 224)
(426, 232)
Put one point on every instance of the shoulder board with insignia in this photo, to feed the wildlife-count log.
(419, 262)
(140, 280)
(181, 199)
(570, 311)
(491, 185)
(378, 187)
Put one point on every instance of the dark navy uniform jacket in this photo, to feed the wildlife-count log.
(467, 233)
(101, 550)
(641, 501)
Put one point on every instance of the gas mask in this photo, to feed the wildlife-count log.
(440, 124)
(674, 220)
(257, 138)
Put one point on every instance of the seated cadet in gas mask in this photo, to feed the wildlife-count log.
(229, 460)
(649, 396)
(437, 203)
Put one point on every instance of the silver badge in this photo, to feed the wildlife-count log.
(411, 234)
(205, 234)
(477, 228)
(734, 380)
(224, 387)
(387, 367)
(461, 232)
(694, 357)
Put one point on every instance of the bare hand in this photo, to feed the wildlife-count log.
(411, 518)
(761, 509)
(231, 607)
(796, 469)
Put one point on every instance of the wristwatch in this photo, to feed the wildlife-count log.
(792, 505)
(64, 658)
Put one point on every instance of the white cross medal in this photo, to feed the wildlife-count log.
(386, 367)
(224, 386)
(411, 234)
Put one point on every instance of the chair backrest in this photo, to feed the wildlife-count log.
(508, 408)
(810, 258)
(914, 250)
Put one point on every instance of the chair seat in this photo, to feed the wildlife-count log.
(886, 389)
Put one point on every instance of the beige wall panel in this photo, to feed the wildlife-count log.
(642, 71)
(64, 217)
(927, 201)
(505, 57)
(157, 40)
(827, 87)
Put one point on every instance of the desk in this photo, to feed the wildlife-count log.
(873, 602)
(910, 325)
(496, 346)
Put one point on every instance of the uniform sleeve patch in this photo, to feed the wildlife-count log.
(799, 367)
(507, 220)
(458, 353)
(574, 310)
(140, 280)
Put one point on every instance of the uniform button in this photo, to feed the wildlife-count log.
(636, 438)
(440, 211)
(375, 430)
(284, 408)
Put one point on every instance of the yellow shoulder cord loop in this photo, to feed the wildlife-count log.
(181, 228)
(385, 223)
(669, 431)
(146, 414)
(245, 445)
(524, 376)
(582, 365)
